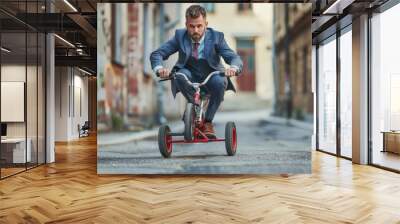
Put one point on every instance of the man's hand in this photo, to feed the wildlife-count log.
(230, 72)
(163, 72)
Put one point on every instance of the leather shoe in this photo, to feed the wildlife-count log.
(209, 130)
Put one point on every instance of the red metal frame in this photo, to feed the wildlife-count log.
(197, 131)
(196, 139)
(197, 97)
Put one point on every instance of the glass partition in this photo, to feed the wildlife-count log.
(31, 97)
(22, 101)
(327, 97)
(14, 146)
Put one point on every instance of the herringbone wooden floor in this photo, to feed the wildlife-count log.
(70, 191)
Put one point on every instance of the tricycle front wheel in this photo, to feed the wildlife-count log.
(189, 117)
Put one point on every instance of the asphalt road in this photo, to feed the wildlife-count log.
(264, 147)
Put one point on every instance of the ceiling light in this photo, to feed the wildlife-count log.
(5, 50)
(65, 41)
(337, 7)
(70, 5)
(84, 71)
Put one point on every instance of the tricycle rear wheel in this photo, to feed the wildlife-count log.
(164, 141)
(230, 138)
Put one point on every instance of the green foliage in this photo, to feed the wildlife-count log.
(117, 122)
(299, 114)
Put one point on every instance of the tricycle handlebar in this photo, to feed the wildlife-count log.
(174, 74)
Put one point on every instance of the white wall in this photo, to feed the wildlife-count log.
(14, 73)
(33, 125)
(61, 103)
(71, 87)
(80, 94)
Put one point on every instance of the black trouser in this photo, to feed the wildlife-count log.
(215, 87)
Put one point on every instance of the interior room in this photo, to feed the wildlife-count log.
(385, 88)
(22, 100)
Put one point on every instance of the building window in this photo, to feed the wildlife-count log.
(246, 50)
(295, 8)
(210, 7)
(243, 7)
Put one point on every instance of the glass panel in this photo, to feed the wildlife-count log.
(346, 94)
(23, 88)
(31, 87)
(41, 99)
(385, 86)
(13, 74)
(31, 97)
(327, 96)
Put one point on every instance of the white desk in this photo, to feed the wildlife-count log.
(18, 150)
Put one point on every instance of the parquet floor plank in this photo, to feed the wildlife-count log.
(70, 191)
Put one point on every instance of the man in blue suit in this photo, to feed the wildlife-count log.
(200, 49)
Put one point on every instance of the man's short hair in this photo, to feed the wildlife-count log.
(195, 11)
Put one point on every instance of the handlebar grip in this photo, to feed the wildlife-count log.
(170, 74)
(237, 73)
(170, 77)
(162, 80)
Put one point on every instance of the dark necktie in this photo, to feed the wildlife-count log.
(196, 50)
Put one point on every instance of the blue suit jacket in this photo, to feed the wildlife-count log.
(215, 46)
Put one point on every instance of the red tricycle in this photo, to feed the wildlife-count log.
(194, 120)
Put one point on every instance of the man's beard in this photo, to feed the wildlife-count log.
(196, 36)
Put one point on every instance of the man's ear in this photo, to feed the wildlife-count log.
(206, 24)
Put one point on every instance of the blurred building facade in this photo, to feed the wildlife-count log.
(292, 61)
(128, 96)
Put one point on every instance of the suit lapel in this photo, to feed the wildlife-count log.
(187, 45)
(207, 45)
